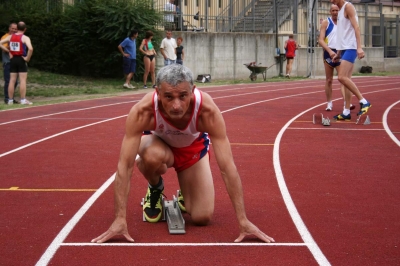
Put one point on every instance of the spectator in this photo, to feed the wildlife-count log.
(290, 47)
(168, 49)
(20, 53)
(180, 54)
(6, 63)
(147, 48)
(128, 50)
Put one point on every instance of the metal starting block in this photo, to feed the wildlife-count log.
(362, 119)
(172, 214)
(319, 119)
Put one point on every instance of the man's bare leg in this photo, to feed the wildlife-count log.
(197, 188)
(22, 84)
(344, 75)
(13, 79)
(328, 86)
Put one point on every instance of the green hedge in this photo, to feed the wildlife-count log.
(82, 39)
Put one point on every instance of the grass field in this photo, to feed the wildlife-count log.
(46, 88)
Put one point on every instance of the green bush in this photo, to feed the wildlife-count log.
(82, 39)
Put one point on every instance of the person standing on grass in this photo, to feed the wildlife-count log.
(168, 49)
(20, 49)
(290, 47)
(327, 40)
(172, 127)
(128, 50)
(349, 48)
(6, 62)
(180, 54)
(147, 48)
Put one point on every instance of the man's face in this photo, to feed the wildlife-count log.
(13, 28)
(175, 100)
(334, 11)
(169, 35)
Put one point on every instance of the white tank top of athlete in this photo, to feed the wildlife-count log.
(173, 136)
(346, 37)
(331, 34)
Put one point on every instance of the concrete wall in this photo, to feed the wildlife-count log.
(223, 54)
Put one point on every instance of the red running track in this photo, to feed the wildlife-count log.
(327, 195)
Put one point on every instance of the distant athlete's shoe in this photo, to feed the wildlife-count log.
(152, 207)
(181, 202)
(288, 76)
(352, 107)
(10, 102)
(329, 107)
(342, 117)
(364, 108)
(144, 86)
(126, 85)
(26, 102)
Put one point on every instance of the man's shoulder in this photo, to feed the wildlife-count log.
(5, 36)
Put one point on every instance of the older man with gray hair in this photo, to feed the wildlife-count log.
(172, 127)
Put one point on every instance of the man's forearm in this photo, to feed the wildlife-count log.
(235, 191)
(121, 192)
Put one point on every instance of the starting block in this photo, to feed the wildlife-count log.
(319, 119)
(363, 120)
(172, 214)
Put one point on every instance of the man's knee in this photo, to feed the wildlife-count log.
(201, 218)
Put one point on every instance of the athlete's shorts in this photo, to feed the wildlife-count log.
(18, 65)
(349, 55)
(129, 65)
(187, 156)
(328, 60)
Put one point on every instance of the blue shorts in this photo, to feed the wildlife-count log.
(349, 55)
(328, 60)
(129, 65)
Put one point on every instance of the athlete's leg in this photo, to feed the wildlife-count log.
(344, 75)
(147, 66)
(22, 84)
(328, 82)
(153, 71)
(155, 158)
(197, 188)
(11, 88)
(289, 66)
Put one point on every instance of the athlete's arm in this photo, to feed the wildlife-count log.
(121, 50)
(141, 48)
(137, 121)
(351, 15)
(211, 121)
(321, 40)
(27, 41)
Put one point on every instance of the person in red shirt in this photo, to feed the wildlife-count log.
(20, 49)
(290, 47)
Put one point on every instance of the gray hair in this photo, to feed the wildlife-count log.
(173, 75)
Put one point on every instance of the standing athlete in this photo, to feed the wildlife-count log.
(19, 57)
(349, 48)
(290, 47)
(327, 40)
(172, 127)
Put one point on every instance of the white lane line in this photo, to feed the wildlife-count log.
(385, 125)
(58, 134)
(330, 128)
(183, 244)
(301, 227)
(46, 257)
(65, 112)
